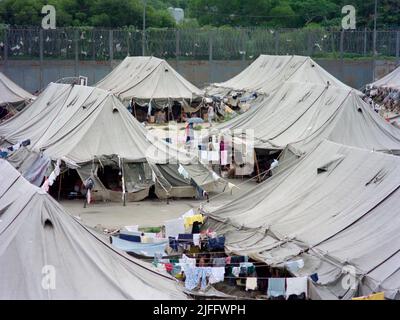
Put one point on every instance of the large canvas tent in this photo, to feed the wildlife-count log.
(150, 79)
(336, 208)
(89, 128)
(45, 253)
(268, 72)
(11, 95)
(391, 81)
(303, 114)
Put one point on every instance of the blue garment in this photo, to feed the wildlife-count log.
(314, 277)
(217, 243)
(129, 237)
(173, 243)
(276, 287)
(194, 275)
(156, 250)
(185, 238)
(3, 154)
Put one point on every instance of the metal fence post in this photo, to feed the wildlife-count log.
(210, 47)
(5, 48)
(341, 44)
(276, 42)
(398, 47)
(111, 45)
(177, 48)
(365, 41)
(309, 44)
(41, 58)
(76, 45)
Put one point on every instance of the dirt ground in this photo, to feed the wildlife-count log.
(147, 213)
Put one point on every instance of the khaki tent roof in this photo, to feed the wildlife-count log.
(391, 80)
(148, 78)
(38, 237)
(303, 114)
(81, 123)
(337, 206)
(10, 92)
(267, 73)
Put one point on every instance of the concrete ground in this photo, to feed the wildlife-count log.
(147, 213)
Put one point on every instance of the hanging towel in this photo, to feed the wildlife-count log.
(224, 157)
(294, 266)
(217, 275)
(191, 219)
(276, 287)
(193, 276)
(251, 283)
(174, 227)
(296, 286)
(196, 239)
(236, 271)
(219, 262)
(185, 238)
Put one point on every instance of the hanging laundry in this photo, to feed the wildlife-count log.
(217, 275)
(191, 219)
(193, 276)
(228, 260)
(296, 286)
(314, 277)
(217, 243)
(294, 266)
(182, 171)
(196, 239)
(185, 238)
(196, 227)
(173, 243)
(174, 227)
(224, 157)
(130, 237)
(276, 287)
(205, 272)
(236, 271)
(236, 260)
(169, 267)
(251, 283)
(219, 262)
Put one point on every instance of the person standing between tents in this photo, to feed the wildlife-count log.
(210, 112)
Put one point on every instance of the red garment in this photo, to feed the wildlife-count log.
(169, 267)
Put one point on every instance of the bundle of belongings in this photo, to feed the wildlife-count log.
(7, 151)
(386, 91)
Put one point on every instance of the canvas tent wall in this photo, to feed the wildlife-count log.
(87, 127)
(304, 114)
(268, 72)
(11, 93)
(12, 97)
(37, 237)
(146, 79)
(391, 80)
(336, 208)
